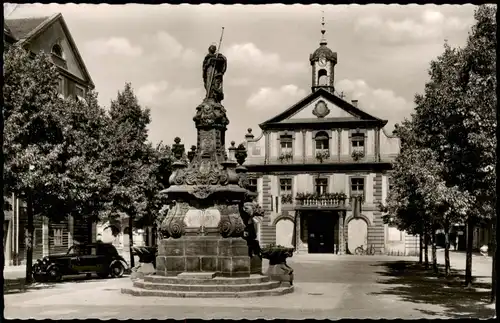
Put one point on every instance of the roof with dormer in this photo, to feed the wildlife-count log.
(23, 30)
(356, 117)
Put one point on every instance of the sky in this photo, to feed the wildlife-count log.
(383, 52)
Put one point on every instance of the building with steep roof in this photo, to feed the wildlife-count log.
(320, 168)
(51, 35)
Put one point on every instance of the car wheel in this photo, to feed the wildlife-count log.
(55, 274)
(117, 270)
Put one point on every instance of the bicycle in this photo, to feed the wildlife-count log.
(362, 251)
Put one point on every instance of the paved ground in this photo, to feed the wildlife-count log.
(326, 286)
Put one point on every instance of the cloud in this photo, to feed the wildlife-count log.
(276, 99)
(428, 26)
(251, 58)
(148, 92)
(381, 103)
(172, 110)
(167, 47)
(112, 46)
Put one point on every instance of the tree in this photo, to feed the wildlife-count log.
(131, 158)
(32, 134)
(460, 99)
(405, 205)
(86, 173)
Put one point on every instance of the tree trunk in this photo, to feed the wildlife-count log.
(447, 266)
(434, 247)
(426, 249)
(468, 258)
(131, 240)
(29, 240)
(421, 246)
(493, 268)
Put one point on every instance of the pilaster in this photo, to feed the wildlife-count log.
(304, 146)
(339, 143)
(377, 145)
(267, 146)
(342, 233)
(71, 230)
(45, 236)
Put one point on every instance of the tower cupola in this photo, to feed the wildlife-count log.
(323, 62)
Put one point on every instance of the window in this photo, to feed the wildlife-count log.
(61, 87)
(285, 186)
(322, 141)
(286, 144)
(358, 141)
(357, 186)
(58, 237)
(37, 237)
(322, 77)
(57, 50)
(252, 184)
(321, 185)
(79, 92)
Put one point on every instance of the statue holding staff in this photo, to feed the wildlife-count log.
(214, 67)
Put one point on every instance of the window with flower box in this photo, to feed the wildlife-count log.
(322, 145)
(286, 147)
(286, 190)
(358, 144)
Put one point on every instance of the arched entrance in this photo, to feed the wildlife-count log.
(357, 234)
(284, 232)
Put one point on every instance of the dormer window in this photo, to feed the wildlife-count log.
(57, 50)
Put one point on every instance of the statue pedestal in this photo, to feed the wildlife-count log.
(256, 265)
(228, 257)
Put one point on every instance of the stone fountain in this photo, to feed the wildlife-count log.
(203, 252)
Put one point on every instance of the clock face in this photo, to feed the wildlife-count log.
(322, 62)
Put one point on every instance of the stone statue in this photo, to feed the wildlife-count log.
(214, 67)
(250, 235)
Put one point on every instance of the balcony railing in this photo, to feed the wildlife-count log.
(326, 200)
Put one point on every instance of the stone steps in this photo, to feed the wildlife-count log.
(196, 294)
(208, 288)
(253, 279)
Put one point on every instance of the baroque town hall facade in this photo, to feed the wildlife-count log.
(314, 152)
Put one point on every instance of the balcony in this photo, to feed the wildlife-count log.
(327, 200)
(312, 160)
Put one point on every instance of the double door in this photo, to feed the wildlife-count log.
(321, 229)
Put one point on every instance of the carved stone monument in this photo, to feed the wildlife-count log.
(205, 234)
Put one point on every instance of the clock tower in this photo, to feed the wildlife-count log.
(323, 62)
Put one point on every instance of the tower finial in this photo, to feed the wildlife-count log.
(323, 31)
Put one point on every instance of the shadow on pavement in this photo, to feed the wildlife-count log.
(18, 285)
(413, 283)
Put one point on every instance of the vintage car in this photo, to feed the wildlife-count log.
(99, 258)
